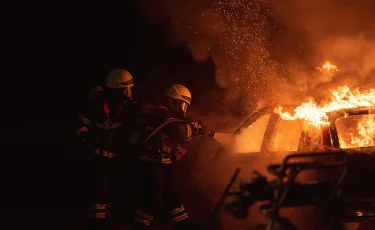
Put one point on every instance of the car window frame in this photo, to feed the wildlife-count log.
(253, 118)
(270, 129)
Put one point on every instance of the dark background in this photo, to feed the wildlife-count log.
(55, 51)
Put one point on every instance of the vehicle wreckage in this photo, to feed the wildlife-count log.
(344, 169)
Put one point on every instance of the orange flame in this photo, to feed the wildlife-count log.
(328, 68)
(366, 128)
(342, 98)
(363, 136)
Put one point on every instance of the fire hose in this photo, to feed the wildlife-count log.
(198, 126)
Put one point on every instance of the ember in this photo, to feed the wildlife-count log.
(328, 68)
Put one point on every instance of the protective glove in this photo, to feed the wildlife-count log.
(198, 129)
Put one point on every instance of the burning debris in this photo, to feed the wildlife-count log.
(328, 68)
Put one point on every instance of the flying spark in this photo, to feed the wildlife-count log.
(245, 44)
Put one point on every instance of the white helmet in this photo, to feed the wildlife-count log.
(119, 78)
(181, 94)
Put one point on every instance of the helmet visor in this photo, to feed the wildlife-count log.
(128, 92)
(184, 106)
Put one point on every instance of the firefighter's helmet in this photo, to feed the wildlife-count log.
(119, 78)
(179, 92)
(181, 95)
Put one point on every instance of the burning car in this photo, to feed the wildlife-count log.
(266, 131)
(347, 122)
(335, 135)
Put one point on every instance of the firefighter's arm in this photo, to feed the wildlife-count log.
(85, 122)
(83, 131)
(85, 116)
(184, 132)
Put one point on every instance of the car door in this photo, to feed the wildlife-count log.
(264, 131)
(249, 137)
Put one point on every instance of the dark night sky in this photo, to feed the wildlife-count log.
(57, 51)
(72, 46)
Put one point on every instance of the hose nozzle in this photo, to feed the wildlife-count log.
(211, 133)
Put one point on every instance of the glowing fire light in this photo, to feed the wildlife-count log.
(328, 68)
(361, 132)
(341, 98)
(366, 129)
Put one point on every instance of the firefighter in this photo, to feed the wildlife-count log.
(102, 118)
(157, 157)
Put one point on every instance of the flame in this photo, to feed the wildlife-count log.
(328, 68)
(363, 136)
(341, 98)
(366, 128)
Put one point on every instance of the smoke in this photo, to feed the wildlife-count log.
(235, 33)
(339, 31)
(265, 53)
